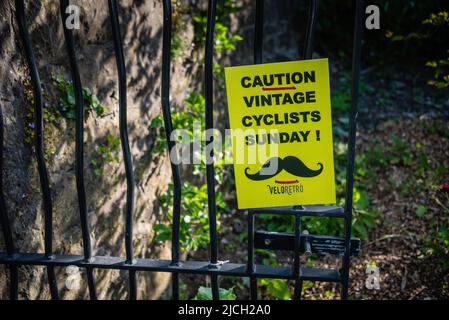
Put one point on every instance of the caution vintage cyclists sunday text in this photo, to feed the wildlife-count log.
(280, 116)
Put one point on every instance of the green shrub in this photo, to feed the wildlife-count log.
(438, 245)
(275, 289)
(205, 293)
(428, 35)
(224, 41)
(194, 108)
(194, 229)
(67, 105)
(396, 19)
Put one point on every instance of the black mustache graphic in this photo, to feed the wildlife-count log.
(290, 164)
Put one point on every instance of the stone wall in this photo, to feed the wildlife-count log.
(141, 26)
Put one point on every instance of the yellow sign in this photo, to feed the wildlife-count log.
(280, 117)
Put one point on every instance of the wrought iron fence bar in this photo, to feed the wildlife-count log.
(356, 57)
(253, 287)
(123, 125)
(210, 175)
(4, 221)
(310, 31)
(258, 32)
(91, 283)
(250, 266)
(168, 124)
(315, 274)
(250, 262)
(296, 257)
(258, 58)
(39, 144)
(13, 282)
(304, 211)
(298, 289)
(79, 145)
(188, 267)
(52, 283)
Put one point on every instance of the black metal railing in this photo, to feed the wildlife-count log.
(300, 242)
(79, 146)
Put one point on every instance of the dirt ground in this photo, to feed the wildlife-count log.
(397, 244)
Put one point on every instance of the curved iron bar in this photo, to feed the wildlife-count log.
(4, 222)
(79, 148)
(168, 124)
(210, 174)
(310, 31)
(353, 113)
(39, 143)
(123, 125)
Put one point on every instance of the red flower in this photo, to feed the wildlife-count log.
(445, 187)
